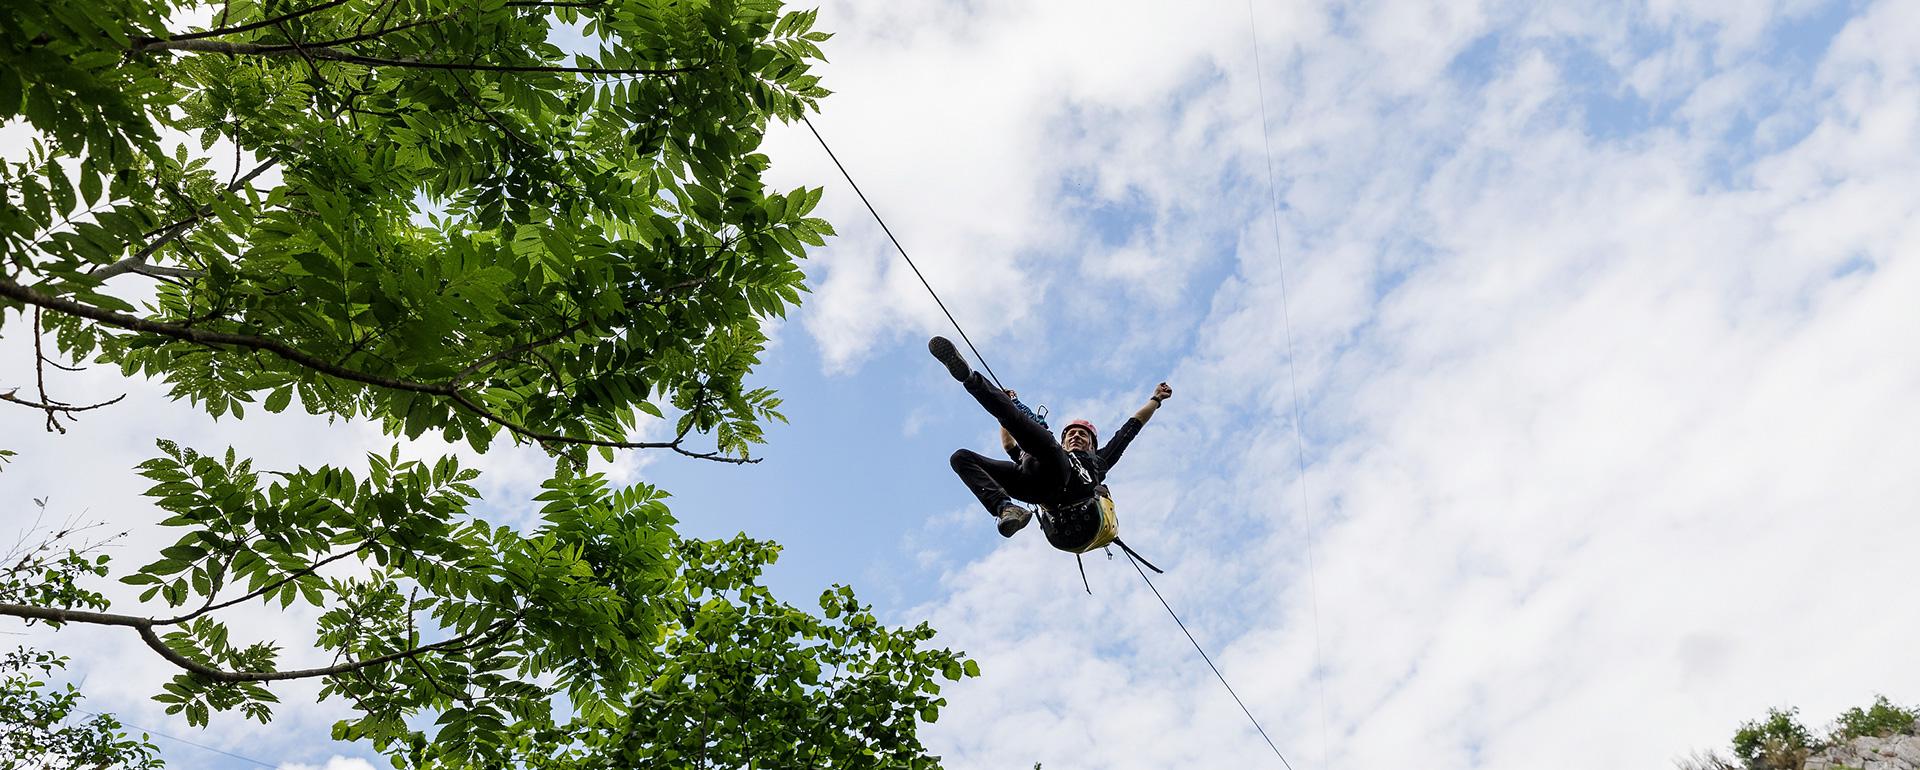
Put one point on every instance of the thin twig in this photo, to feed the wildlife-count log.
(58, 407)
(47, 404)
(163, 272)
(361, 37)
(174, 231)
(334, 54)
(299, 49)
(40, 375)
(378, 6)
(233, 180)
(270, 587)
(463, 374)
(556, 438)
(487, 115)
(220, 31)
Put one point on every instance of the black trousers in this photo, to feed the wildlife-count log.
(1039, 475)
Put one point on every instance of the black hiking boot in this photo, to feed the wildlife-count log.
(1013, 518)
(943, 349)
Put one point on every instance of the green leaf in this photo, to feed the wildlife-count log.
(89, 185)
(10, 91)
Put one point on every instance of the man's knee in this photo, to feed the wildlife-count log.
(963, 458)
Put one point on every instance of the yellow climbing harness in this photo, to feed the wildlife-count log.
(1107, 534)
(1109, 526)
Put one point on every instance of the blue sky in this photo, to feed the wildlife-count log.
(1598, 316)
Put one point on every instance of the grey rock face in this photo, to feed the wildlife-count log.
(1898, 752)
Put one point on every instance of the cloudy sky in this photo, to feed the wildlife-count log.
(1555, 407)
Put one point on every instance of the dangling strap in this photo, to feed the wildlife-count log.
(1135, 556)
(1083, 573)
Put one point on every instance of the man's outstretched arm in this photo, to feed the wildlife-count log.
(1110, 453)
(1161, 393)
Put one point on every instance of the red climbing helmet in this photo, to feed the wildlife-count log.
(1080, 424)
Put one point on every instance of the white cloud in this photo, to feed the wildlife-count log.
(959, 126)
(1609, 451)
(334, 763)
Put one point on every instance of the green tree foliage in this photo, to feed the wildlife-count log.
(433, 215)
(664, 649)
(1780, 742)
(43, 728)
(1879, 720)
(541, 219)
(755, 682)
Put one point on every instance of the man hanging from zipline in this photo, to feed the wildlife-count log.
(1064, 477)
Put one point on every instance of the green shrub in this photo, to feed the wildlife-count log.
(1879, 720)
(1778, 742)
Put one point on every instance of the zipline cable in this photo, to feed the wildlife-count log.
(1293, 378)
(178, 739)
(1209, 660)
(902, 250)
(1131, 559)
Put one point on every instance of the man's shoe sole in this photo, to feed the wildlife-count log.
(943, 350)
(1010, 525)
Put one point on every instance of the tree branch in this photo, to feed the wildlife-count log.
(14, 291)
(216, 339)
(291, 15)
(40, 375)
(145, 626)
(174, 231)
(268, 588)
(58, 407)
(48, 404)
(463, 374)
(464, 641)
(556, 438)
(361, 37)
(161, 271)
(379, 6)
(58, 615)
(217, 32)
(334, 54)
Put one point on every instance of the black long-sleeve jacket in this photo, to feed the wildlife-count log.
(1096, 463)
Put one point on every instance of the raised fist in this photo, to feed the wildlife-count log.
(1162, 392)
